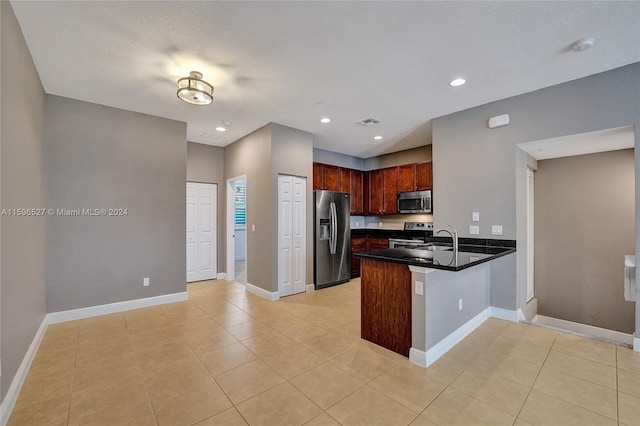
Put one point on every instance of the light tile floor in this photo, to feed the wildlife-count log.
(227, 357)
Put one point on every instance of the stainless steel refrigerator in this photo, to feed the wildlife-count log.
(332, 238)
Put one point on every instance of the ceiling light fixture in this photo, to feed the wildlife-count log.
(377, 137)
(457, 82)
(194, 90)
(221, 129)
(325, 120)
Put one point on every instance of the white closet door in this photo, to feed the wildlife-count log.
(192, 232)
(285, 241)
(201, 231)
(298, 235)
(291, 235)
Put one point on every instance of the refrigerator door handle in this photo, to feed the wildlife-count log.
(334, 228)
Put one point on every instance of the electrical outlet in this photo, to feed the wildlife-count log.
(459, 304)
(496, 230)
(145, 282)
(419, 288)
(380, 224)
(474, 230)
(253, 227)
(475, 217)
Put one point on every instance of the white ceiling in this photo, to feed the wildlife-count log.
(580, 144)
(295, 62)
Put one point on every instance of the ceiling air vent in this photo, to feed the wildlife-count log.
(368, 122)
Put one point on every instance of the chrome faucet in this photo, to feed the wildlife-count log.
(454, 235)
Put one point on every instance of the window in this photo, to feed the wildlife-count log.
(241, 203)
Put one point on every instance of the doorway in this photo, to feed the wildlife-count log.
(237, 229)
(201, 231)
(582, 227)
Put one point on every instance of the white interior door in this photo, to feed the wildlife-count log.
(201, 231)
(291, 235)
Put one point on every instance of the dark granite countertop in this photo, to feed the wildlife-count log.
(389, 233)
(466, 256)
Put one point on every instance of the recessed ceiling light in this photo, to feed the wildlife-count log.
(221, 129)
(377, 137)
(325, 120)
(457, 82)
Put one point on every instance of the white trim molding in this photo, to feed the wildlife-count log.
(636, 344)
(221, 276)
(111, 308)
(11, 397)
(503, 314)
(587, 330)
(258, 291)
(443, 346)
(310, 287)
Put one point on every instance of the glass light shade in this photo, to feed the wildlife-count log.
(194, 90)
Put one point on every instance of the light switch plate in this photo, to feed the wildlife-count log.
(419, 288)
(474, 230)
(475, 217)
(496, 230)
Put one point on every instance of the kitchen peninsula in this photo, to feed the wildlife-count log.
(419, 302)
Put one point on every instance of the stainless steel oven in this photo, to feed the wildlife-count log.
(414, 202)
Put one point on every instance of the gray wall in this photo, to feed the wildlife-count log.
(414, 155)
(251, 156)
(22, 242)
(342, 160)
(205, 163)
(102, 157)
(482, 170)
(584, 225)
(292, 154)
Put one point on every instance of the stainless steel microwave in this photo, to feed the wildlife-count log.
(414, 202)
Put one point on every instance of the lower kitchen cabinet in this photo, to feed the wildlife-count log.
(377, 243)
(358, 245)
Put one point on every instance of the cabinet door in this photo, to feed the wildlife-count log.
(358, 245)
(407, 178)
(356, 192)
(424, 173)
(330, 177)
(344, 184)
(376, 192)
(317, 176)
(379, 243)
(390, 190)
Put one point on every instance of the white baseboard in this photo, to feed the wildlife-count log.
(418, 357)
(111, 308)
(310, 287)
(11, 397)
(262, 292)
(601, 333)
(443, 346)
(636, 344)
(221, 275)
(503, 314)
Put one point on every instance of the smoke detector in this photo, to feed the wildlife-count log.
(582, 44)
(368, 122)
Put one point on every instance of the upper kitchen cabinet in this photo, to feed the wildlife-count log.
(357, 192)
(325, 176)
(424, 176)
(344, 181)
(383, 188)
(414, 177)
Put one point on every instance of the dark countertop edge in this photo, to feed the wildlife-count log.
(427, 235)
(370, 255)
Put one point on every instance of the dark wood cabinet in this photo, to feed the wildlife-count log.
(385, 308)
(358, 245)
(357, 193)
(407, 178)
(390, 190)
(376, 192)
(424, 176)
(325, 176)
(344, 181)
(378, 243)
